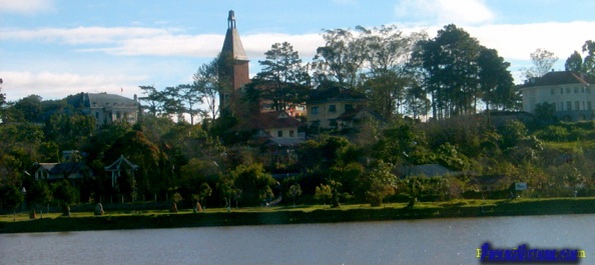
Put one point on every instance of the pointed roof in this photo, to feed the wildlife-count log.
(232, 43)
(118, 164)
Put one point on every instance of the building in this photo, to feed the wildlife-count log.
(236, 71)
(72, 168)
(273, 127)
(73, 171)
(326, 107)
(571, 94)
(109, 108)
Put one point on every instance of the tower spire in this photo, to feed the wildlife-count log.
(231, 20)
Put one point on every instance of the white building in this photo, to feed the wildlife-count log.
(108, 108)
(572, 95)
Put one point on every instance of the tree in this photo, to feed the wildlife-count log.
(495, 80)
(586, 65)
(203, 192)
(379, 183)
(30, 107)
(341, 58)
(190, 97)
(209, 86)
(254, 183)
(417, 102)
(172, 103)
(2, 96)
(323, 192)
(450, 69)
(65, 194)
(574, 63)
(295, 191)
(387, 51)
(40, 193)
(154, 99)
(155, 173)
(284, 80)
(12, 197)
(175, 199)
(589, 60)
(228, 190)
(543, 60)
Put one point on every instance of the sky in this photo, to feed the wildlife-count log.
(56, 48)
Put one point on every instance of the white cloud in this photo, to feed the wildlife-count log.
(83, 35)
(513, 42)
(18, 85)
(466, 12)
(516, 42)
(135, 41)
(25, 6)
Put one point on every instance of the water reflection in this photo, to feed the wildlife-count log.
(432, 241)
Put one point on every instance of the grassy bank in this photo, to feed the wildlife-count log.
(295, 215)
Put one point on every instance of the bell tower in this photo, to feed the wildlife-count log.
(235, 67)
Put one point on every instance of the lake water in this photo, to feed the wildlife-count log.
(429, 241)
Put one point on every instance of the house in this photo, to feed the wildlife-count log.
(571, 94)
(73, 171)
(326, 107)
(109, 108)
(275, 127)
(354, 117)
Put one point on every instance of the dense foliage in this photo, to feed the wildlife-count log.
(452, 76)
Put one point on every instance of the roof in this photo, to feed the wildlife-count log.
(561, 78)
(46, 166)
(117, 165)
(232, 42)
(352, 114)
(427, 170)
(271, 119)
(67, 168)
(107, 100)
(335, 93)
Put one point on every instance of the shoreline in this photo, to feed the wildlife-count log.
(288, 215)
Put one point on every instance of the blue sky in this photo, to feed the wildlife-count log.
(54, 48)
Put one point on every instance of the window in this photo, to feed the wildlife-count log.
(279, 133)
(588, 90)
(568, 105)
(291, 134)
(332, 108)
(576, 90)
(97, 115)
(314, 110)
(589, 105)
(561, 106)
(568, 90)
(348, 107)
(553, 91)
(577, 105)
(583, 90)
(561, 90)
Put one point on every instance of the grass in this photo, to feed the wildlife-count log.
(80, 221)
